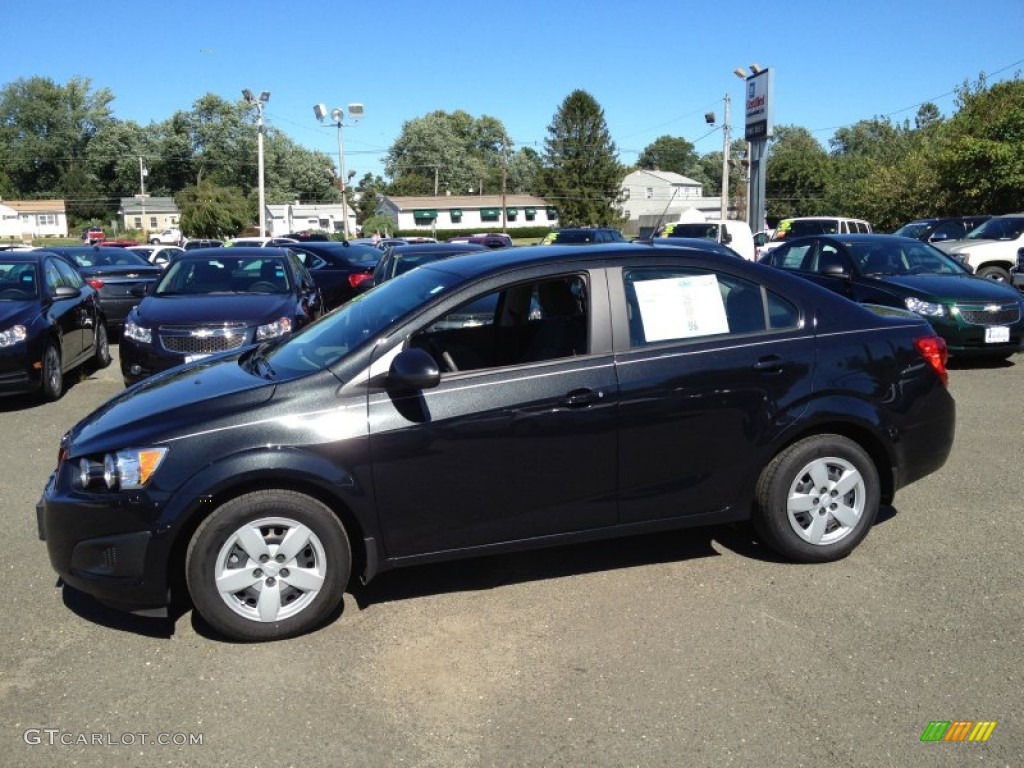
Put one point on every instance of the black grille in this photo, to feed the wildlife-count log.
(999, 314)
(202, 341)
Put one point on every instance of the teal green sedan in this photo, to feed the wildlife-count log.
(976, 316)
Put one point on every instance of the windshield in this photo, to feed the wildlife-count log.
(916, 229)
(896, 258)
(999, 228)
(216, 274)
(18, 281)
(698, 230)
(366, 317)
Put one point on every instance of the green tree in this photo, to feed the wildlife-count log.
(670, 153)
(368, 193)
(45, 131)
(981, 160)
(797, 174)
(211, 211)
(447, 152)
(582, 176)
(524, 168)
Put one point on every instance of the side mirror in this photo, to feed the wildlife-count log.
(413, 369)
(726, 238)
(66, 292)
(835, 270)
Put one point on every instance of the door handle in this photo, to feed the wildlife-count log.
(580, 398)
(769, 363)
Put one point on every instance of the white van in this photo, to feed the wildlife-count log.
(733, 233)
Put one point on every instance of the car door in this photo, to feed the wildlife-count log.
(711, 368)
(519, 438)
(66, 312)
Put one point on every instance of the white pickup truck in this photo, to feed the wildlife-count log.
(167, 237)
(990, 249)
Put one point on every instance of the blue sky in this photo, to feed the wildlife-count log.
(655, 67)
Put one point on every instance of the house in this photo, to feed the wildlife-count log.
(147, 213)
(27, 219)
(296, 217)
(652, 196)
(467, 212)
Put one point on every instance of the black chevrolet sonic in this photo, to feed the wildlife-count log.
(496, 401)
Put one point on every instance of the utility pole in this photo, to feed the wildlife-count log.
(504, 182)
(725, 161)
(142, 184)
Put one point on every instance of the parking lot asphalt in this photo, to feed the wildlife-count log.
(685, 649)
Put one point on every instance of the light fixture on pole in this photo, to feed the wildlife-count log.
(355, 113)
(257, 103)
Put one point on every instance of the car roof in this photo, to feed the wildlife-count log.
(438, 248)
(496, 261)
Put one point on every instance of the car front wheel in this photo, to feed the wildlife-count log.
(101, 356)
(817, 499)
(998, 274)
(268, 565)
(52, 373)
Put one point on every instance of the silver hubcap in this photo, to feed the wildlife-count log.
(826, 501)
(270, 569)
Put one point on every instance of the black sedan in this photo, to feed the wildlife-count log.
(337, 267)
(217, 300)
(116, 273)
(398, 259)
(51, 321)
(975, 316)
(607, 391)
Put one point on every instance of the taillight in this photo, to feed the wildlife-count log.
(358, 277)
(934, 350)
(95, 282)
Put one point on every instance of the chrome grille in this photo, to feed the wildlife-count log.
(203, 341)
(990, 314)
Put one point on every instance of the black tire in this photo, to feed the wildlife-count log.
(264, 520)
(816, 522)
(101, 355)
(52, 373)
(995, 273)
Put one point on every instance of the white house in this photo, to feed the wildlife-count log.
(297, 217)
(27, 219)
(470, 212)
(652, 196)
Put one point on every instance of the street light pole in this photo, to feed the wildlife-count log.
(258, 103)
(725, 161)
(355, 112)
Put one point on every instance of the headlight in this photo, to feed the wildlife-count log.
(273, 330)
(12, 336)
(926, 308)
(129, 469)
(138, 333)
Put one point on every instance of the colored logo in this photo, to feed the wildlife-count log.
(958, 730)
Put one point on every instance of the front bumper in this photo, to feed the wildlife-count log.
(109, 549)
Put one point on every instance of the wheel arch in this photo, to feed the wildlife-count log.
(866, 437)
(228, 485)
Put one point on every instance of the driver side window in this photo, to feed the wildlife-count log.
(520, 324)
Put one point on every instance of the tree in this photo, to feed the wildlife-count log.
(447, 152)
(981, 160)
(45, 131)
(524, 168)
(582, 176)
(369, 190)
(670, 153)
(211, 211)
(797, 174)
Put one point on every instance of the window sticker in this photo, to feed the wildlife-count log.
(681, 307)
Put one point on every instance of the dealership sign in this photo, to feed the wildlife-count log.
(758, 105)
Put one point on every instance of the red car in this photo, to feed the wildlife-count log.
(93, 235)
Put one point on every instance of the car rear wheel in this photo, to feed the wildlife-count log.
(268, 565)
(817, 499)
(52, 373)
(101, 356)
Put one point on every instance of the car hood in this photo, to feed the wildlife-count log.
(213, 309)
(956, 246)
(960, 287)
(14, 312)
(170, 403)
